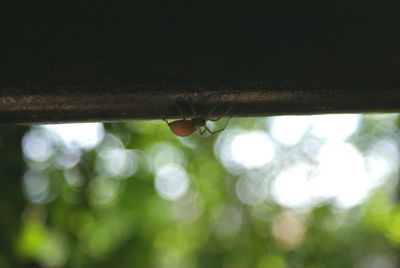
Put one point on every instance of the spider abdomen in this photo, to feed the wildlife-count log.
(182, 128)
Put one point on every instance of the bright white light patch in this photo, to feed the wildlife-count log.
(342, 174)
(171, 182)
(382, 160)
(291, 187)
(84, 135)
(335, 126)
(289, 130)
(325, 166)
(252, 150)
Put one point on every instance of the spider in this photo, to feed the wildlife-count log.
(186, 127)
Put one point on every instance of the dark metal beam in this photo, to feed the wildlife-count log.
(104, 106)
(64, 61)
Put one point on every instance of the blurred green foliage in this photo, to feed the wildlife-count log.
(142, 197)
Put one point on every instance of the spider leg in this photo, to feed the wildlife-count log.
(224, 114)
(219, 130)
(213, 109)
(230, 108)
(192, 107)
(165, 120)
(202, 131)
(214, 119)
(179, 109)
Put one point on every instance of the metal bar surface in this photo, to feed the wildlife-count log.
(59, 108)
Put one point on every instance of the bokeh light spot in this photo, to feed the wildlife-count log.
(103, 190)
(239, 150)
(118, 163)
(188, 208)
(226, 221)
(67, 157)
(289, 130)
(342, 174)
(73, 177)
(36, 186)
(85, 135)
(252, 188)
(55, 250)
(291, 187)
(163, 154)
(382, 160)
(288, 230)
(171, 182)
(252, 150)
(335, 126)
(37, 145)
